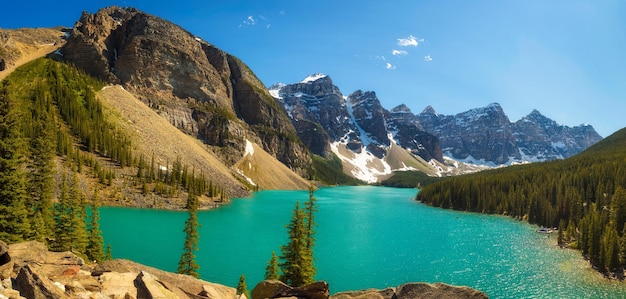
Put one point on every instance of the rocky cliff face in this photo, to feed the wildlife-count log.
(487, 136)
(327, 121)
(199, 88)
(358, 120)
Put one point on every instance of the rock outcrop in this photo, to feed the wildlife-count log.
(199, 88)
(319, 290)
(29, 270)
(486, 135)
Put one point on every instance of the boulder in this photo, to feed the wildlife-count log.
(118, 285)
(6, 264)
(148, 286)
(268, 288)
(187, 284)
(3, 65)
(416, 290)
(388, 293)
(277, 289)
(31, 284)
(436, 290)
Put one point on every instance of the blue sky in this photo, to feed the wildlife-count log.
(566, 59)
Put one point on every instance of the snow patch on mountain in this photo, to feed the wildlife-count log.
(365, 139)
(363, 165)
(249, 148)
(313, 77)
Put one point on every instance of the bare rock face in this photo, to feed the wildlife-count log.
(199, 88)
(487, 134)
(32, 284)
(409, 134)
(322, 115)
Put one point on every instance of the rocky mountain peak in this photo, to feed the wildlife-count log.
(429, 110)
(199, 88)
(486, 136)
(402, 108)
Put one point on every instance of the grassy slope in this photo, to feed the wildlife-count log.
(268, 173)
(153, 134)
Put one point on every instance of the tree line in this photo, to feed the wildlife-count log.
(584, 197)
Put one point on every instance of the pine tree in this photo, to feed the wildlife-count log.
(107, 254)
(41, 180)
(95, 242)
(242, 289)
(70, 230)
(187, 264)
(14, 223)
(271, 270)
(297, 258)
(310, 209)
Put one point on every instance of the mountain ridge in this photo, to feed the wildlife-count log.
(483, 135)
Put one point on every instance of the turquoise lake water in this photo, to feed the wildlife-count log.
(367, 237)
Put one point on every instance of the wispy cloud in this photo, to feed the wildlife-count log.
(260, 20)
(409, 41)
(427, 58)
(390, 66)
(249, 21)
(395, 52)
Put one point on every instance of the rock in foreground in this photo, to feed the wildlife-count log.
(319, 290)
(29, 270)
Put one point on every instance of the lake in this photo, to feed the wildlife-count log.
(367, 237)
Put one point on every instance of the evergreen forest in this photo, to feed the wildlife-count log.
(584, 197)
(58, 144)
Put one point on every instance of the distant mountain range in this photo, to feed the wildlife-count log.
(327, 121)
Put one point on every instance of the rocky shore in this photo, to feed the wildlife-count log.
(28, 270)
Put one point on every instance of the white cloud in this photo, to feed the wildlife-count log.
(427, 58)
(409, 41)
(398, 52)
(249, 21)
(390, 66)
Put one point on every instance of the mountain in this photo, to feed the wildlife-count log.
(371, 141)
(199, 88)
(362, 133)
(487, 136)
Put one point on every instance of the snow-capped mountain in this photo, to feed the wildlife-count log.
(356, 128)
(487, 136)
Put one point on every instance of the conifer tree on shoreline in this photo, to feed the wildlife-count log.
(297, 262)
(187, 263)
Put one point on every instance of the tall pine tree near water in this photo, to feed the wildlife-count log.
(297, 256)
(95, 242)
(271, 270)
(14, 223)
(187, 264)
